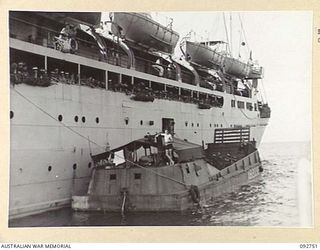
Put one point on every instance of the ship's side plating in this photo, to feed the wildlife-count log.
(52, 128)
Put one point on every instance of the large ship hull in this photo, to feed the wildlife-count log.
(203, 55)
(142, 29)
(50, 149)
(38, 141)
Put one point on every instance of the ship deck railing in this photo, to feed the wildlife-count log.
(45, 36)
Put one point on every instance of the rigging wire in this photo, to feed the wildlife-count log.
(244, 34)
(51, 116)
(264, 91)
(240, 43)
(93, 142)
(231, 33)
(226, 30)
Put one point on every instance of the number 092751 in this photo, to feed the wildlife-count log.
(308, 246)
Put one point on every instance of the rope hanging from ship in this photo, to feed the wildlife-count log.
(245, 115)
(93, 142)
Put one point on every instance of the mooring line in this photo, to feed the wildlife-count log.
(88, 139)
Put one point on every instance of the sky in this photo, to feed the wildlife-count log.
(282, 43)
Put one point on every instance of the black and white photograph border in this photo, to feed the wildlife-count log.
(161, 118)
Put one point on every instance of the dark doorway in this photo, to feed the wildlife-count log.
(168, 123)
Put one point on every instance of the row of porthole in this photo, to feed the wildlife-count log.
(74, 166)
(60, 118)
(76, 119)
(192, 124)
(215, 125)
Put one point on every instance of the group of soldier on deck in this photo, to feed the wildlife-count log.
(20, 73)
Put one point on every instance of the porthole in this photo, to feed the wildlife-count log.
(141, 122)
(97, 120)
(192, 124)
(83, 119)
(137, 176)
(76, 118)
(74, 166)
(186, 123)
(49, 168)
(11, 114)
(60, 118)
(89, 165)
(197, 124)
(126, 121)
(221, 125)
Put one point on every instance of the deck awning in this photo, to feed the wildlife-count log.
(185, 150)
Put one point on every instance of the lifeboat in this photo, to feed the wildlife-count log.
(141, 28)
(202, 54)
(235, 67)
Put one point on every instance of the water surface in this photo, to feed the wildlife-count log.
(277, 198)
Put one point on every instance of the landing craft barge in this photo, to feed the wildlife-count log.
(75, 93)
(139, 177)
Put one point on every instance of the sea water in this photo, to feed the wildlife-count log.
(281, 197)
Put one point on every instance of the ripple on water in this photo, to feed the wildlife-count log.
(269, 201)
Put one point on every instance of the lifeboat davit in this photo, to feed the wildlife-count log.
(235, 67)
(141, 28)
(256, 72)
(204, 55)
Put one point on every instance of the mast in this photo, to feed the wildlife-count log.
(231, 34)
(226, 30)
